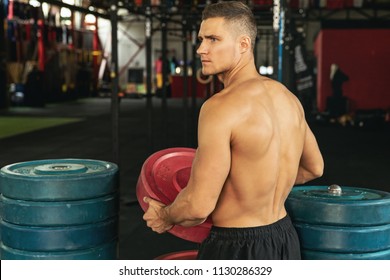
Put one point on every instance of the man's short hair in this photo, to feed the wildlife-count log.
(235, 12)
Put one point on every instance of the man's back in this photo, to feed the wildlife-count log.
(267, 136)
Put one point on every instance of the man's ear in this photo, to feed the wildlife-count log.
(245, 44)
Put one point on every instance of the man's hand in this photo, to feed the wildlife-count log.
(156, 217)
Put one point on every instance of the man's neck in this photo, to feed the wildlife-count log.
(244, 70)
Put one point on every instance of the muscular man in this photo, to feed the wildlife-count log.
(253, 145)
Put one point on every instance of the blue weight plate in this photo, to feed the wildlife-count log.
(61, 213)
(317, 255)
(354, 207)
(107, 251)
(343, 239)
(49, 239)
(58, 179)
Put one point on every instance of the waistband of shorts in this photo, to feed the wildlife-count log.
(251, 232)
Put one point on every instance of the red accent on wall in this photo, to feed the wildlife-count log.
(364, 55)
(178, 86)
(41, 46)
(10, 10)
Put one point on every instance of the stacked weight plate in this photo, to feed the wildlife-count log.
(336, 223)
(59, 209)
(163, 175)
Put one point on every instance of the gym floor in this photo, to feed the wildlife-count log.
(354, 156)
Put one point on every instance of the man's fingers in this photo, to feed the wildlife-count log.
(152, 215)
(153, 202)
(149, 200)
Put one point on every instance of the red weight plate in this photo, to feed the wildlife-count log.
(163, 175)
(171, 172)
(182, 255)
(146, 185)
(195, 234)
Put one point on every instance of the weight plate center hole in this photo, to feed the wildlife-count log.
(61, 167)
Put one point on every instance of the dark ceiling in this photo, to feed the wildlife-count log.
(191, 10)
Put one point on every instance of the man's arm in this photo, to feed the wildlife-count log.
(311, 165)
(209, 171)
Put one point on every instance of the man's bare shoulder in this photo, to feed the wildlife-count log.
(272, 85)
(237, 96)
(258, 84)
(221, 109)
(217, 101)
(278, 90)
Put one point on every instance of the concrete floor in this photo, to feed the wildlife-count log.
(357, 157)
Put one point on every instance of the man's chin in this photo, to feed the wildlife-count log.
(206, 73)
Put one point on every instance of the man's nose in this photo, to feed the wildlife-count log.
(201, 49)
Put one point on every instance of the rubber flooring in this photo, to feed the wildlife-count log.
(356, 157)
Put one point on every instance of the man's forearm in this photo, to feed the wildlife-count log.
(182, 211)
(304, 176)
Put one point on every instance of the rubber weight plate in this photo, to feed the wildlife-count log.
(107, 251)
(182, 255)
(194, 234)
(58, 179)
(163, 175)
(58, 238)
(172, 168)
(343, 239)
(317, 255)
(326, 205)
(171, 172)
(61, 213)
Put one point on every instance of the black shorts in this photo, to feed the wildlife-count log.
(277, 241)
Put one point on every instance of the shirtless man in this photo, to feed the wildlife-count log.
(254, 144)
